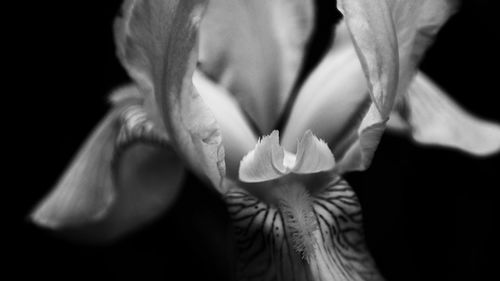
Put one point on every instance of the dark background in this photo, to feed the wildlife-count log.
(429, 212)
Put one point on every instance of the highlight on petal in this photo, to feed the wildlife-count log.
(237, 136)
(431, 117)
(313, 155)
(118, 181)
(254, 48)
(265, 162)
(157, 43)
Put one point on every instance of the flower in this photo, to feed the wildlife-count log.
(120, 178)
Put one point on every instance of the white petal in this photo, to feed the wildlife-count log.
(433, 118)
(116, 182)
(85, 191)
(333, 99)
(254, 48)
(313, 155)
(157, 43)
(360, 152)
(237, 136)
(390, 38)
(371, 26)
(417, 23)
(265, 162)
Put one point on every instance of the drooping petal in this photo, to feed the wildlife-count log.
(313, 155)
(265, 162)
(254, 48)
(264, 238)
(390, 38)
(158, 45)
(431, 117)
(237, 136)
(124, 176)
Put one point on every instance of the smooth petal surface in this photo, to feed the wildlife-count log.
(390, 38)
(158, 45)
(431, 117)
(417, 23)
(372, 30)
(124, 176)
(333, 99)
(237, 136)
(254, 48)
(371, 26)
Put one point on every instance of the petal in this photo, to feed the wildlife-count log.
(157, 43)
(254, 48)
(385, 33)
(417, 24)
(265, 162)
(313, 155)
(264, 236)
(371, 26)
(119, 180)
(270, 161)
(431, 117)
(237, 136)
(333, 99)
(362, 143)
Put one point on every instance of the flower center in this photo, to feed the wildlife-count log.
(282, 177)
(295, 205)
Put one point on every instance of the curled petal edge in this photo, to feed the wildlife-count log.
(124, 176)
(158, 45)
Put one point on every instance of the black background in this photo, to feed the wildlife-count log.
(429, 212)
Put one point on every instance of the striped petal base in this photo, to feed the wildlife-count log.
(265, 245)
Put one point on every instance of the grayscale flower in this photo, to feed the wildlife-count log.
(212, 79)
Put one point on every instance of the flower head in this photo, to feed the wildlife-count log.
(212, 79)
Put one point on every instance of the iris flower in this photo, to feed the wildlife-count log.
(212, 79)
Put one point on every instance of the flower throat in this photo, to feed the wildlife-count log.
(295, 205)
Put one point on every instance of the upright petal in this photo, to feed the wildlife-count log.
(237, 135)
(431, 117)
(124, 176)
(254, 48)
(390, 37)
(333, 99)
(158, 46)
(371, 26)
